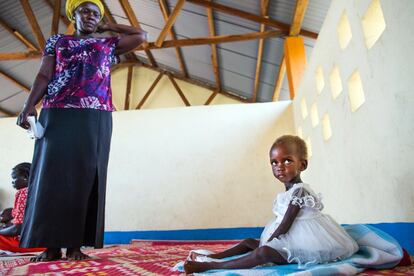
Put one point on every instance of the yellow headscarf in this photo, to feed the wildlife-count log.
(71, 6)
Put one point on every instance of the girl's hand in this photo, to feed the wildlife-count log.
(272, 237)
(22, 118)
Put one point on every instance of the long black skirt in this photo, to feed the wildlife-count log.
(66, 200)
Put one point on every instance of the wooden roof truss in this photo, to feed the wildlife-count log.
(276, 29)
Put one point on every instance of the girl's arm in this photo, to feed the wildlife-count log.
(289, 217)
(45, 74)
(132, 38)
(13, 230)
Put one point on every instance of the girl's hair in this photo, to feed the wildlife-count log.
(300, 145)
(23, 168)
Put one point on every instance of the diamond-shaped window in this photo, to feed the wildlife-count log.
(326, 127)
(304, 108)
(336, 82)
(344, 31)
(314, 115)
(373, 23)
(320, 82)
(356, 91)
(309, 146)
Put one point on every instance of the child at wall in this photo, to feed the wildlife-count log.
(299, 233)
(9, 236)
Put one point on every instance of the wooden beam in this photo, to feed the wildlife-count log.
(33, 23)
(153, 85)
(179, 91)
(165, 12)
(108, 14)
(129, 13)
(214, 39)
(18, 35)
(295, 62)
(179, 76)
(134, 22)
(129, 86)
(250, 16)
(297, 20)
(14, 81)
(56, 18)
(7, 113)
(264, 4)
(298, 16)
(211, 98)
(279, 80)
(62, 17)
(214, 56)
(170, 22)
(20, 55)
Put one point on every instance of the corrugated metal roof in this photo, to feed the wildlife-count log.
(237, 61)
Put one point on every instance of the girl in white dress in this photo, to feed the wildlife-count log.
(299, 233)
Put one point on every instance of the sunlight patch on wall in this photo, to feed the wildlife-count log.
(326, 127)
(304, 108)
(309, 145)
(314, 115)
(356, 91)
(336, 82)
(344, 31)
(320, 82)
(373, 23)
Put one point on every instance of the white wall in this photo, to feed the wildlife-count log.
(16, 147)
(197, 167)
(364, 170)
(180, 168)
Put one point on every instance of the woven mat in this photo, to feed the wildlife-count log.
(137, 258)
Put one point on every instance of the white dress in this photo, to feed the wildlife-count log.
(313, 237)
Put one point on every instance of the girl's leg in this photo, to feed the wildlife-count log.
(50, 254)
(245, 246)
(259, 256)
(75, 254)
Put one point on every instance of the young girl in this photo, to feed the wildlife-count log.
(9, 236)
(299, 233)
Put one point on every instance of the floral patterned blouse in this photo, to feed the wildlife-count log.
(82, 72)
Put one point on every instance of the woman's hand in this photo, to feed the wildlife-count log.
(22, 118)
(103, 27)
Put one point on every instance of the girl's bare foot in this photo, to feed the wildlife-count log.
(193, 255)
(50, 254)
(75, 254)
(191, 267)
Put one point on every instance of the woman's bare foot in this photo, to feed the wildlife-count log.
(50, 254)
(191, 267)
(193, 255)
(75, 254)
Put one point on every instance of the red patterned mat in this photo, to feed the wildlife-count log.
(137, 258)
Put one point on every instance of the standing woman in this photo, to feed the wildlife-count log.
(66, 201)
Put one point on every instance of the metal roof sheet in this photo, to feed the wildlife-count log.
(237, 60)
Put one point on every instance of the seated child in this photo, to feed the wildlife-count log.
(6, 218)
(299, 233)
(9, 236)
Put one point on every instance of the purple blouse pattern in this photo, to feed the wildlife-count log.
(82, 72)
